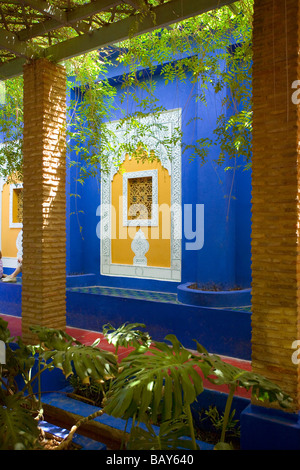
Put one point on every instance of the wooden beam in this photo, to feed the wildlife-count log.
(12, 68)
(57, 14)
(132, 3)
(48, 10)
(10, 42)
(163, 15)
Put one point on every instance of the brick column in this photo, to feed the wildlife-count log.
(276, 189)
(44, 203)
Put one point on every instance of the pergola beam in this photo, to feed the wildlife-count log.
(72, 18)
(163, 15)
(132, 3)
(48, 10)
(10, 42)
(57, 14)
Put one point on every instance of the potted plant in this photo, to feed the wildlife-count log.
(21, 389)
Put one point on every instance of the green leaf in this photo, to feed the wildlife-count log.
(72, 357)
(126, 335)
(223, 446)
(18, 428)
(53, 338)
(163, 379)
(172, 434)
(222, 373)
(4, 331)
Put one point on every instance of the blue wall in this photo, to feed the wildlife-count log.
(225, 256)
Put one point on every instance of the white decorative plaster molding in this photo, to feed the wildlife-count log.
(140, 246)
(171, 120)
(162, 130)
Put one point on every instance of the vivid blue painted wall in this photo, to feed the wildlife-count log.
(75, 252)
(225, 256)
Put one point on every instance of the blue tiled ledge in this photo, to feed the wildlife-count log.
(62, 401)
(84, 442)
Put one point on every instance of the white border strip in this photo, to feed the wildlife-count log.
(171, 120)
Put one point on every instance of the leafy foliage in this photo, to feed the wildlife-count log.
(160, 382)
(126, 335)
(198, 50)
(72, 357)
(86, 362)
(212, 51)
(11, 128)
(18, 428)
(227, 374)
(4, 331)
(154, 385)
(92, 392)
(216, 419)
(172, 434)
(52, 338)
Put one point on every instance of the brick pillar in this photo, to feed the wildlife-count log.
(275, 196)
(44, 203)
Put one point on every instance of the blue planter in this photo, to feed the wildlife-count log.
(218, 299)
(50, 380)
(66, 403)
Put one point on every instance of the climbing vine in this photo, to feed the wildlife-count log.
(212, 51)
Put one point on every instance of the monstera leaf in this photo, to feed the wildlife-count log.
(87, 362)
(4, 331)
(72, 357)
(227, 374)
(22, 356)
(52, 338)
(126, 335)
(172, 434)
(18, 428)
(159, 381)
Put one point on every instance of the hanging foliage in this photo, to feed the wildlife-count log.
(212, 51)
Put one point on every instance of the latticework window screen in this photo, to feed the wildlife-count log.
(140, 198)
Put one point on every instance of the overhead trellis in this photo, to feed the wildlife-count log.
(61, 29)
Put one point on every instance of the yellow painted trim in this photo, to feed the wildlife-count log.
(159, 254)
